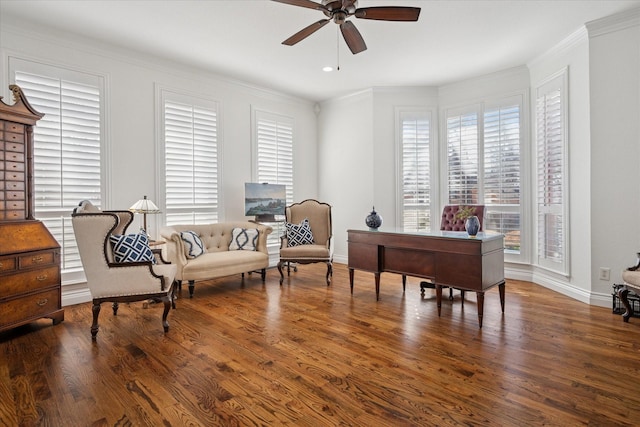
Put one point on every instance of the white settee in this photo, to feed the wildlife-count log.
(217, 260)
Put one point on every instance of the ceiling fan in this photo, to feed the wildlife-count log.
(339, 10)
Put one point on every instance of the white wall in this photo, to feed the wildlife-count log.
(131, 115)
(346, 166)
(614, 61)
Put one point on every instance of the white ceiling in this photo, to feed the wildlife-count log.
(453, 39)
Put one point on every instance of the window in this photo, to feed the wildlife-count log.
(273, 151)
(484, 144)
(415, 170)
(501, 177)
(191, 160)
(552, 172)
(67, 148)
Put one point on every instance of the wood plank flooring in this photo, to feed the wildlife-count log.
(244, 353)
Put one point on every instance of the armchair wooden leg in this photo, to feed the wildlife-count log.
(167, 306)
(94, 325)
(263, 274)
(622, 294)
(280, 271)
(115, 306)
(192, 285)
(329, 273)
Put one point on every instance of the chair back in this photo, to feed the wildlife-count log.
(319, 216)
(451, 223)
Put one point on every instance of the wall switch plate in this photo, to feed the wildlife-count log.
(605, 273)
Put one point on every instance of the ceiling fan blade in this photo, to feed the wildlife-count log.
(302, 3)
(306, 32)
(353, 37)
(389, 13)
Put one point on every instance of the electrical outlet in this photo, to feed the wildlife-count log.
(605, 273)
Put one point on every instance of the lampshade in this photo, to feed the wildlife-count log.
(144, 206)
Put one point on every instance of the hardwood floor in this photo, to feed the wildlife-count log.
(241, 353)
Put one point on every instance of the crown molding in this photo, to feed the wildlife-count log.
(570, 42)
(609, 24)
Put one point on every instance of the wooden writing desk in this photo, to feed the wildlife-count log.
(448, 258)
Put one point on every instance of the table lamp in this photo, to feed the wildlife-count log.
(145, 206)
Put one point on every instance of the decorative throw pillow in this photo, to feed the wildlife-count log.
(299, 234)
(243, 239)
(131, 248)
(193, 246)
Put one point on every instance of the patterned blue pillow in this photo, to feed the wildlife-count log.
(243, 239)
(193, 246)
(131, 248)
(299, 234)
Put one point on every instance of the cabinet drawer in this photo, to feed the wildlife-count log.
(14, 195)
(15, 176)
(12, 156)
(14, 166)
(7, 264)
(14, 137)
(14, 185)
(32, 306)
(29, 281)
(13, 127)
(11, 205)
(13, 146)
(13, 215)
(36, 259)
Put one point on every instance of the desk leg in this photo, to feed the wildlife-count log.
(622, 294)
(377, 286)
(439, 298)
(351, 279)
(404, 282)
(501, 289)
(480, 307)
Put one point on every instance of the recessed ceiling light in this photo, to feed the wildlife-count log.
(327, 69)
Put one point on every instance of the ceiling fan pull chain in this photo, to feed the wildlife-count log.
(338, 48)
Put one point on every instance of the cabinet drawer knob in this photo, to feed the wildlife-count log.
(37, 259)
(42, 278)
(42, 302)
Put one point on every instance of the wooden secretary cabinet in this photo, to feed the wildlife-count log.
(29, 254)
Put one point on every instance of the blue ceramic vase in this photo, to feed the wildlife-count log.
(472, 225)
(373, 220)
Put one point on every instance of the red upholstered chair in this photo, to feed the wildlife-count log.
(449, 222)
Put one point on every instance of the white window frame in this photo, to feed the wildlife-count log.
(257, 115)
(557, 82)
(418, 113)
(205, 213)
(71, 268)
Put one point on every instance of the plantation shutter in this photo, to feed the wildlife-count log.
(274, 158)
(501, 172)
(550, 140)
(416, 171)
(191, 163)
(462, 158)
(67, 147)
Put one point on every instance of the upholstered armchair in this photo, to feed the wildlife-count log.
(115, 280)
(308, 236)
(449, 222)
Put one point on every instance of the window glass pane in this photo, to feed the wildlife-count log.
(274, 138)
(462, 154)
(191, 164)
(550, 174)
(416, 171)
(501, 173)
(67, 147)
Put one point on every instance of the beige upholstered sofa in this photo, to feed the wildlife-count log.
(218, 260)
